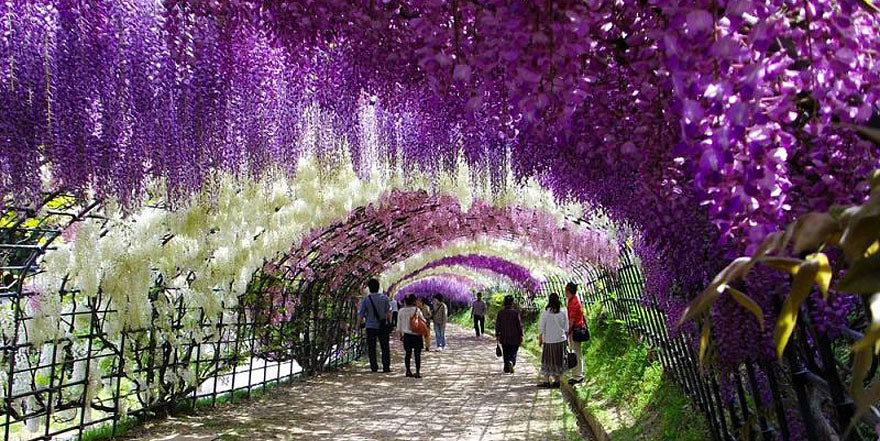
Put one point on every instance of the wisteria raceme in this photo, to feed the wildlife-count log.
(516, 273)
(701, 124)
(452, 290)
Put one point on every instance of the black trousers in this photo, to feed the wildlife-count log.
(480, 324)
(382, 337)
(509, 352)
(412, 344)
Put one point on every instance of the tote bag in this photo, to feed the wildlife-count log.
(418, 325)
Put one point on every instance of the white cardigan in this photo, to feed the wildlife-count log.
(553, 327)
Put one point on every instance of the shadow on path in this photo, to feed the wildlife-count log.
(463, 395)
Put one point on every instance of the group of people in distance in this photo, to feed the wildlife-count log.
(383, 317)
(557, 331)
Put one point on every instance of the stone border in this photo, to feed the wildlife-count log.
(588, 422)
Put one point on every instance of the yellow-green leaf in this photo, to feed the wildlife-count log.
(861, 365)
(823, 275)
(786, 264)
(862, 229)
(811, 231)
(746, 302)
(864, 401)
(704, 340)
(863, 277)
(736, 270)
(800, 289)
(700, 304)
(769, 245)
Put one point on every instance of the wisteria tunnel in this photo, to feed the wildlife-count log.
(194, 194)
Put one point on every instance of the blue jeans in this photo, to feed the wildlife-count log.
(440, 335)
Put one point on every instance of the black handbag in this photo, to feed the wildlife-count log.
(581, 334)
(571, 359)
(498, 352)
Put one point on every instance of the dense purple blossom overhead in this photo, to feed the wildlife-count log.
(516, 273)
(704, 124)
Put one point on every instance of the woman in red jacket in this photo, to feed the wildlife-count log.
(575, 321)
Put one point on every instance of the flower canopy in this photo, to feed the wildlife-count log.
(337, 139)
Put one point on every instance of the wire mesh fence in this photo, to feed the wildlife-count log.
(89, 370)
(799, 398)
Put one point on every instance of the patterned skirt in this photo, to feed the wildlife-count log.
(553, 359)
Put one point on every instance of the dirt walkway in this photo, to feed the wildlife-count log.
(463, 396)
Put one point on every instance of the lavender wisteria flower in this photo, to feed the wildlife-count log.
(516, 273)
(452, 290)
(702, 124)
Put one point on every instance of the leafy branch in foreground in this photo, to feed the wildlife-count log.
(802, 251)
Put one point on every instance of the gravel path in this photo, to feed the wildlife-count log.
(463, 396)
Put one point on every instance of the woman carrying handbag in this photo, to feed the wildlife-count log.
(552, 337)
(412, 326)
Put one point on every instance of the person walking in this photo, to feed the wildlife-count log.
(509, 333)
(576, 321)
(426, 313)
(440, 317)
(376, 312)
(412, 341)
(394, 308)
(552, 328)
(478, 313)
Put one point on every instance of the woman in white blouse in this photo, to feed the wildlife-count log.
(412, 342)
(551, 336)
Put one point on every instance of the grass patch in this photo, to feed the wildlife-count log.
(626, 389)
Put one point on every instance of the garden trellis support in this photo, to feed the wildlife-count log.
(770, 400)
(51, 387)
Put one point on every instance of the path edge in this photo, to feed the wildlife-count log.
(587, 421)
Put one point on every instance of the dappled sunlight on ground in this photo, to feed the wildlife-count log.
(463, 395)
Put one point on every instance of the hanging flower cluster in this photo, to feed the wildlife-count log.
(701, 124)
(452, 290)
(516, 273)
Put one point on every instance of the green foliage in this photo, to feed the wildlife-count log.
(628, 391)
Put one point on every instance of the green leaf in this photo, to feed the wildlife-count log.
(860, 367)
(800, 289)
(747, 303)
(736, 270)
(786, 264)
(863, 277)
(862, 230)
(770, 244)
(700, 304)
(812, 230)
(823, 275)
(704, 340)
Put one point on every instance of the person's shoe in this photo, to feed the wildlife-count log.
(576, 380)
(409, 374)
(374, 370)
(506, 368)
(511, 369)
(555, 385)
(386, 371)
(545, 385)
(417, 376)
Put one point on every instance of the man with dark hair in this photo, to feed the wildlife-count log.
(376, 312)
(439, 315)
(478, 313)
(575, 321)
